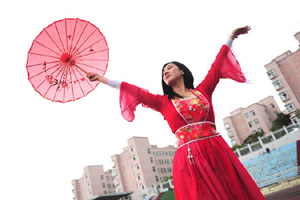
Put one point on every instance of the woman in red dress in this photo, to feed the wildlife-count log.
(204, 166)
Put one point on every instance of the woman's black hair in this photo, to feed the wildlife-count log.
(187, 78)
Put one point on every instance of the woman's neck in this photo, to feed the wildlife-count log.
(181, 90)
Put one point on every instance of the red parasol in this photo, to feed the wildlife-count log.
(60, 57)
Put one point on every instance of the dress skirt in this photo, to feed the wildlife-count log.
(215, 174)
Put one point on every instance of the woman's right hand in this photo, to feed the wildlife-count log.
(92, 76)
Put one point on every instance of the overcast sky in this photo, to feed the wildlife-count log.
(45, 145)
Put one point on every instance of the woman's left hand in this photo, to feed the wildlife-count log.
(239, 31)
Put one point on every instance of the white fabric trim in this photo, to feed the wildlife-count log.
(179, 111)
(229, 42)
(207, 103)
(114, 83)
(248, 80)
(198, 140)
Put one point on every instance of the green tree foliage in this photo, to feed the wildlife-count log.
(253, 137)
(280, 121)
(298, 113)
(236, 146)
(170, 178)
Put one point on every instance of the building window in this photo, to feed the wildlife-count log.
(103, 185)
(252, 112)
(90, 192)
(271, 73)
(277, 85)
(165, 178)
(88, 183)
(272, 105)
(132, 148)
(151, 159)
(167, 161)
(256, 121)
(250, 124)
(295, 120)
(86, 175)
(141, 186)
(164, 153)
(149, 151)
(116, 181)
(233, 142)
(158, 153)
(161, 162)
(107, 178)
(172, 161)
(229, 133)
(139, 177)
(171, 153)
(105, 192)
(254, 131)
(163, 170)
(134, 157)
(260, 130)
(283, 96)
(156, 178)
(289, 107)
(137, 166)
(226, 125)
(153, 169)
(114, 172)
(109, 185)
(102, 177)
(169, 169)
(246, 115)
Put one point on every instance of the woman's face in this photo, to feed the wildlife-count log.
(171, 74)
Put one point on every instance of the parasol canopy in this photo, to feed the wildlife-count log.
(60, 57)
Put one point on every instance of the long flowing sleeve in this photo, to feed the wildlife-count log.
(224, 66)
(131, 96)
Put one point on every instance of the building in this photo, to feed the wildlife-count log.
(141, 165)
(284, 72)
(95, 181)
(244, 121)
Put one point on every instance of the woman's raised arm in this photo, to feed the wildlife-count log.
(225, 65)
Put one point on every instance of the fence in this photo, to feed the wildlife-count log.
(262, 141)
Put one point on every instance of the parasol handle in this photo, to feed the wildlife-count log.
(81, 69)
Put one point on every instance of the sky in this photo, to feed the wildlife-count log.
(44, 145)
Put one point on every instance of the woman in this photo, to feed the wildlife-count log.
(204, 166)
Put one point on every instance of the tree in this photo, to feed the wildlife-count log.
(169, 178)
(253, 137)
(280, 121)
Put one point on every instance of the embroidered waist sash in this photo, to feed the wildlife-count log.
(195, 131)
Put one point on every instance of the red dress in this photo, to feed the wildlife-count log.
(204, 166)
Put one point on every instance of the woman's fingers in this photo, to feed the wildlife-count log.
(92, 76)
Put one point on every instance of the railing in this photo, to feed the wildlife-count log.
(285, 130)
(277, 177)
